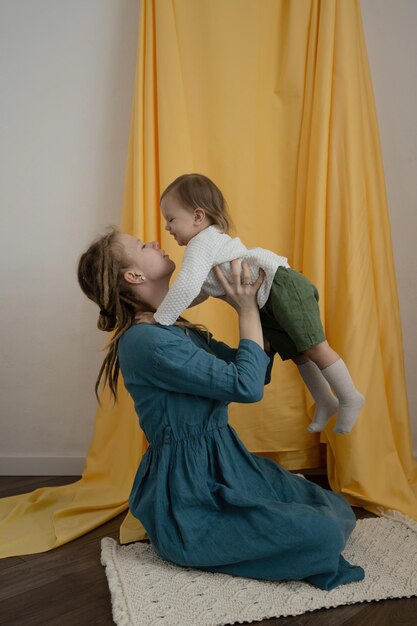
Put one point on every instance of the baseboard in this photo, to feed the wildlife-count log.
(41, 466)
(69, 466)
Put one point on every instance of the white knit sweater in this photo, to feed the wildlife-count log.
(196, 280)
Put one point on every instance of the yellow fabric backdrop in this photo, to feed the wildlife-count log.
(273, 100)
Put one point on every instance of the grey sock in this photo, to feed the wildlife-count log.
(326, 403)
(350, 400)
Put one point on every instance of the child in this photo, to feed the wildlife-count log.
(196, 216)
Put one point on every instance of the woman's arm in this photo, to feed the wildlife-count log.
(241, 295)
(222, 350)
(168, 359)
(228, 354)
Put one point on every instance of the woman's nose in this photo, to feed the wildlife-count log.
(153, 244)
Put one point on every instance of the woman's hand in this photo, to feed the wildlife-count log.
(240, 293)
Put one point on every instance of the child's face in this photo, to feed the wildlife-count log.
(180, 222)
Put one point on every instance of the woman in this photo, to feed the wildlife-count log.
(205, 500)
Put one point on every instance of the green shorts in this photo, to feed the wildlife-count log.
(291, 316)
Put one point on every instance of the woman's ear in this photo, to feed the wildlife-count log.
(134, 278)
(199, 216)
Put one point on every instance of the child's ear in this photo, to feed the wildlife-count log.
(199, 216)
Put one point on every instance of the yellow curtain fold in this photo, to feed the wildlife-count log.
(273, 100)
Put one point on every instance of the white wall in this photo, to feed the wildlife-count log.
(66, 76)
(67, 71)
(391, 37)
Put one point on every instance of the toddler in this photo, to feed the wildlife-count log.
(196, 216)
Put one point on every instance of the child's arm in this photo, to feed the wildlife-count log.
(197, 262)
(149, 318)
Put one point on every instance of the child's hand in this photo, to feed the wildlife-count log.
(143, 316)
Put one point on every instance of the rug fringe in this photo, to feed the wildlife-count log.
(119, 599)
(397, 516)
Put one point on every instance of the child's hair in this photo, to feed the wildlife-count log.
(197, 191)
(100, 275)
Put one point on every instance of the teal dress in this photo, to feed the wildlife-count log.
(204, 499)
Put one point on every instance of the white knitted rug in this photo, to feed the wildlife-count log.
(147, 591)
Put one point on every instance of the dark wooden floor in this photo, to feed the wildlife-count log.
(67, 586)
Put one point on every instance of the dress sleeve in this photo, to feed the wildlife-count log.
(197, 262)
(173, 362)
(223, 351)
(269, 368)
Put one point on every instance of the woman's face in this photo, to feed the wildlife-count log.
(147, 258)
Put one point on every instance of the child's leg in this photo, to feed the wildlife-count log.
(337, 375)
(326, 403)
(291, 321)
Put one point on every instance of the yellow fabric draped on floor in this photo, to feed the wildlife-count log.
(273, 100)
